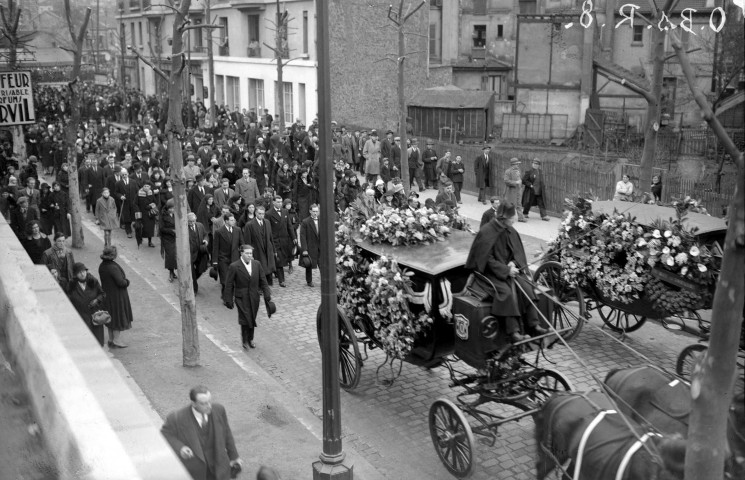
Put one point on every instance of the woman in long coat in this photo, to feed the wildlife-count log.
(114, 284)
(87, 296)
(168, 239)
(302, 195)
(36, 243)
(46, 209)
(61, 209)
(146, 205)
(106, 215)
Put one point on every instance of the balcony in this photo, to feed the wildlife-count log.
(254, 51)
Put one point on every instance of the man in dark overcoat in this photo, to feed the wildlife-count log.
(533, 192)
(497, 252)
(126, 193)
(200, 435)
(245, 278)
(258, 234)
(310, 242)
(283, 236)
(481, 169)
(226, 247)
(96, 181)
(197, 248)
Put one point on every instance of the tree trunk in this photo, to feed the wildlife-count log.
(653, 107)
(402, 104)
(175, 129)
(713, 379)
(280, 80)
(210, 67)
(11, 19)
(71, 130)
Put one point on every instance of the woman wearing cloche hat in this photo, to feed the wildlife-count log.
(87, 296)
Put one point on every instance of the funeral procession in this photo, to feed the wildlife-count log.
(382, 240)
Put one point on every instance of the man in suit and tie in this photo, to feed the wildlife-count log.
(96, 182)
(200, 435)
(31, 193)
(138, 176)
(258, 234)
(489, 215)
(225, 247)
(247, 188)
(126, 192)
(481, 169)
(283, 235)
(197, 192)
(245, 278)
(310, 243)
(198, 248)
(224, 193)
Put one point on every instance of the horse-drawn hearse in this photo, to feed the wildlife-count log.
(447, 323)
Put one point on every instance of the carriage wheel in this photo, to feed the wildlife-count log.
(618, 320)
(545, 384)
(570, 299)
(350, 360)
(689, 358)
(452, 437)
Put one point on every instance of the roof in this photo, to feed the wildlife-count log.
(432, 259)
(730, 102)
(452, 97)
(647, 214)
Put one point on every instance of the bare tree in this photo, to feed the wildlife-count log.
(71, 130)
(281, 55)
(175, 132)
(11, 17)
(713, 379)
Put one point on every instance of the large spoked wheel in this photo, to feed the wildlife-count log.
(545, 384)
(618, 320)
(350, 360)
(689, 358)
(570, 299)
(452, 437)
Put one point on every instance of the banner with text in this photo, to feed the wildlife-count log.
(16, 99)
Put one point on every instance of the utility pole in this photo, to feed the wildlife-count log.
(331, 464)
(122, 74)
(175, 131)
(98, 33)
(400, 20)
(189, 110)
(210, 63)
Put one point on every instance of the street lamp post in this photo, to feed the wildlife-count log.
(331, 464)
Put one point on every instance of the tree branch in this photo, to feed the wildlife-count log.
(673, 55)
(67, 49)
(147, 62)
(197, 27)
(711, 119)
(631, 86)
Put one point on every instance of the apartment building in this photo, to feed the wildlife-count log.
(245, 68)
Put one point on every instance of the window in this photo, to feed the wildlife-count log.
(219, 90)
(132, 33)
(255, 94)
(479, 7)
(198, 36)
(139, 27)
(305, 31)
(134, 5)
(301, 101)
(254, 40)
(479, 36)
(492, 83)
(224, 47)
(638, 35)
(233, 92)
(527, 6)
(500, 31)
(287, 91)
(435, 38)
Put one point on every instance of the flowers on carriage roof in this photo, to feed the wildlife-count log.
(405, 227)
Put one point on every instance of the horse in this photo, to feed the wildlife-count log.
(647, 394)
(583, 433)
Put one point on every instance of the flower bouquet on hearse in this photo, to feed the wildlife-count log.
(624, 261)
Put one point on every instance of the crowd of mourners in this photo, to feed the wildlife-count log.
(239, 169)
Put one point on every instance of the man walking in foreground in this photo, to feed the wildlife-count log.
(200, 435)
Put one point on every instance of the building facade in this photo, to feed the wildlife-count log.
(245, 68)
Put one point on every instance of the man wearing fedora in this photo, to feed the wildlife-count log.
(245, 278)
(481, 169)
(513, 182)
(534, 187)
(429, 157)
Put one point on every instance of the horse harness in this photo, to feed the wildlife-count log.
(582, 449)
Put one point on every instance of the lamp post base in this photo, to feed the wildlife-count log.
(328, 469)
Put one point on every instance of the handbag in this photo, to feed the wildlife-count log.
(100, 317)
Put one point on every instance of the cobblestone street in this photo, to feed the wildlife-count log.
(386, 425)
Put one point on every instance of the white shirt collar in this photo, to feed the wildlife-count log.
(198, 416)
(247, 265)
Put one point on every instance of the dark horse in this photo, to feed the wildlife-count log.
(583, 433)
(647, 394)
